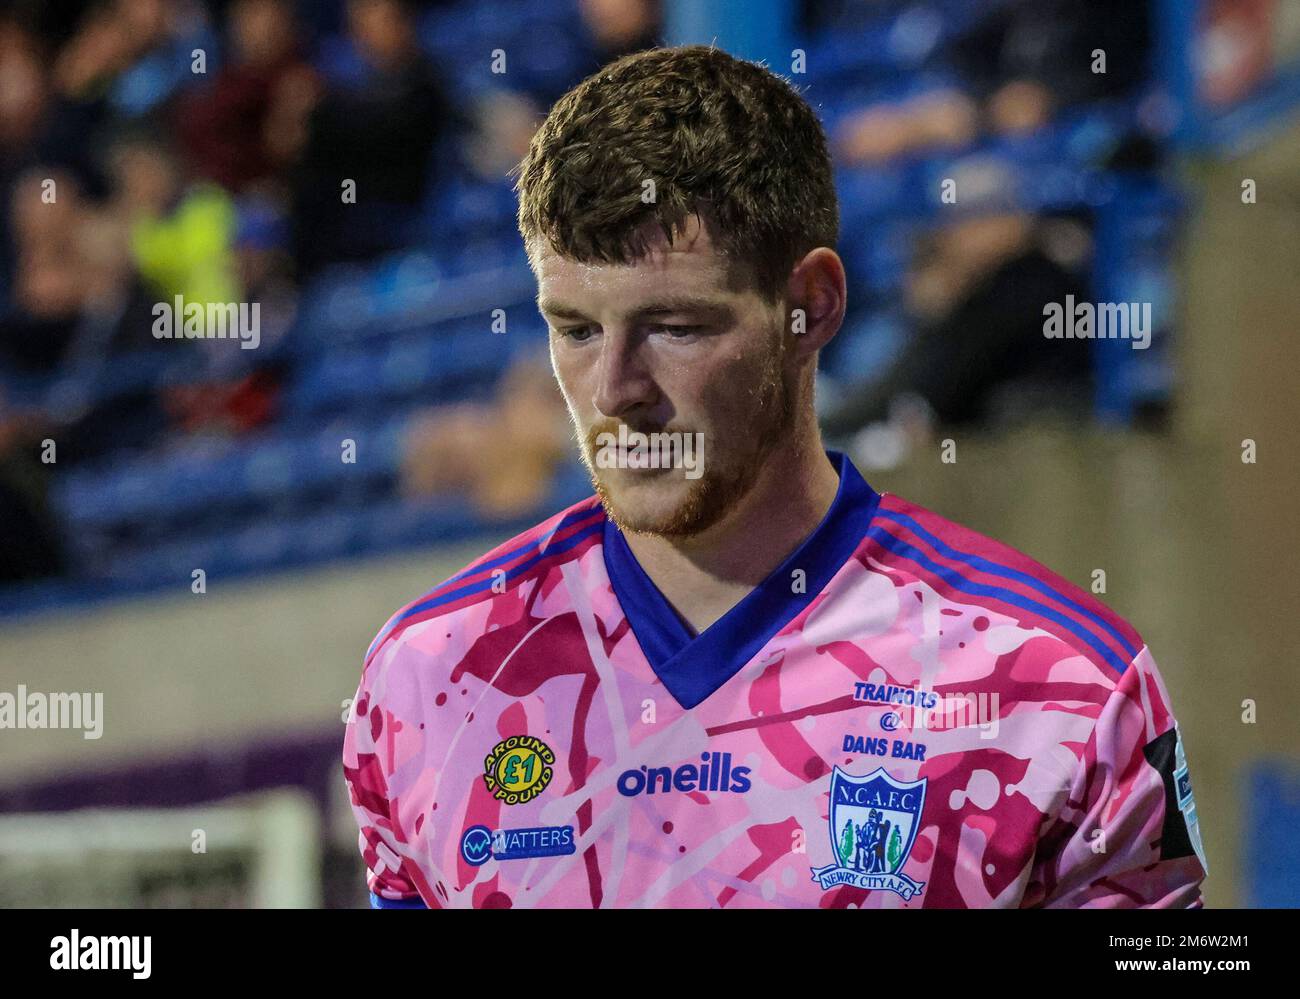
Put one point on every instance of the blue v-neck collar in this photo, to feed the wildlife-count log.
(693, 666)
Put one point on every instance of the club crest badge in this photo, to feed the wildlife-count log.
(873, 824)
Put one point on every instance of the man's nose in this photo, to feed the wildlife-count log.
(623, 382)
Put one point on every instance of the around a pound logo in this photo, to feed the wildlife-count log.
(518, 769)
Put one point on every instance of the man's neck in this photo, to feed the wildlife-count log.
(704, 576)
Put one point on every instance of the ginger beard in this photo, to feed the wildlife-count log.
(665, 501)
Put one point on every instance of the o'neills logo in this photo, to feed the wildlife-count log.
(634, 449)
(181, 320)
(713, 773)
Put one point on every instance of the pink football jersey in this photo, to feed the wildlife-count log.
(903, 714)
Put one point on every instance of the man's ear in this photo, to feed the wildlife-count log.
(817, 294)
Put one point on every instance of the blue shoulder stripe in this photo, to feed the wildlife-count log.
(566, 521)
(956, 580)
(451, 596)
(514, 553)
(1006, 572)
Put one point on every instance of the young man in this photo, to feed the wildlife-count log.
(746, 679)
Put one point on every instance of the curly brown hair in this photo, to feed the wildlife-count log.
(721, 138)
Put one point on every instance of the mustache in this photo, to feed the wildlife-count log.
(613, 427)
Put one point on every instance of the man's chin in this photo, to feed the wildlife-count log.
(655, 504)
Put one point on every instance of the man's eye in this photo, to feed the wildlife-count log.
(576, 333)
(672, 330)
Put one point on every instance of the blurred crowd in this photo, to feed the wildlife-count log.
(974, 291)
(159, 148)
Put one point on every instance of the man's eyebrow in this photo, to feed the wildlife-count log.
(660, 307)
(550, 307)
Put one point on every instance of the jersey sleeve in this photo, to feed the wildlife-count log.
(391, 876)
(1127, 835)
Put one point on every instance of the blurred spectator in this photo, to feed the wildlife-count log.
(232, 130)
(24, 100)
(133, 53)
(237, 403)
(29, 543)
(504, 121)
(24, 95)
(941, 119)
(1019, 65)
(1041, 53)
(377, 130)
(180, 234)
(976, 297)
(502, 455)
(49, 281)
(618, 27)
(263, 266)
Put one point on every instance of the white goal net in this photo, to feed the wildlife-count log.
(260, 851)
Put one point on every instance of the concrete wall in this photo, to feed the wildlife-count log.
(244, 661)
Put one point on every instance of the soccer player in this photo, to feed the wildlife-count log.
(739, 675)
